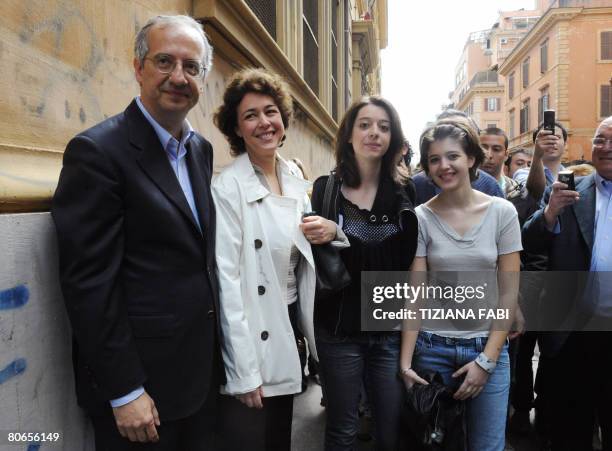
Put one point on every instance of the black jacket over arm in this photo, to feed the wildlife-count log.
(138, 276)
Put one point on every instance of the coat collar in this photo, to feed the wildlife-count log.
(584, 209)
(293, 186)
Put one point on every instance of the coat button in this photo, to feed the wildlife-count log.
(261, 290)
(373, 218)
(385, 218)
(258, 243)
(265, 335)
(210, 314)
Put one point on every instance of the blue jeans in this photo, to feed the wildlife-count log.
(486, 414)
(345, 363)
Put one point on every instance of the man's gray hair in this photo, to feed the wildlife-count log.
(141, 45)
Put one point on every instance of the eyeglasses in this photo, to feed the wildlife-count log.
(601, 142)
(167, 63)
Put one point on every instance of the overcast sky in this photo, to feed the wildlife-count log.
(426, 39)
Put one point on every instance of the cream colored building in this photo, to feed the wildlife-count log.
(67, 65)
(564, 63)
(479, 89)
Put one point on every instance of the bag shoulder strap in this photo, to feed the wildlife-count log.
(329, 187)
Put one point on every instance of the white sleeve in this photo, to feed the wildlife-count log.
(237, 347)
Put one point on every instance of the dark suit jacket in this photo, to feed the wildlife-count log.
(570, 250)
(138, 276)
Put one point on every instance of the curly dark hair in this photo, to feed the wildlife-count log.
(346, 164)
(259, 81)
(458, 129)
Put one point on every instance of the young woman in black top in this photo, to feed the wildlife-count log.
(372, 202)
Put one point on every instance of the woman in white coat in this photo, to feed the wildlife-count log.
(265, 264)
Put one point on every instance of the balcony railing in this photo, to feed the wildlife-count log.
(485, 76)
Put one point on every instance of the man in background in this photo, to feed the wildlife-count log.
(517, 159)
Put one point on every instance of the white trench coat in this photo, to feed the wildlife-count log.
(255, 231)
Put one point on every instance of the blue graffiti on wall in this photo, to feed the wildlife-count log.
(14, 297)
(15, 368)
(10, 299)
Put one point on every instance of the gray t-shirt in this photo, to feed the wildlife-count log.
(497, 233)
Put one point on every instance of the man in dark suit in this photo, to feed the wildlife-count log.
(136, 224)
(574, 229)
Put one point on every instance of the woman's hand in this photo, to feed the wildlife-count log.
(410, 377)
(474, 382)
(318, 230)
(252, 398)
(518, 327)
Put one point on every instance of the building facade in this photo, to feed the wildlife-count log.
(564, 63)
(479, 88)
(68, 65)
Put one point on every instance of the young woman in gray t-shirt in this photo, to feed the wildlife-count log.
(462, 229)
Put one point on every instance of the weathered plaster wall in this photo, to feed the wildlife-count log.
(66, 65)
(36, 382)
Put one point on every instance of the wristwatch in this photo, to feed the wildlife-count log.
(485, 363)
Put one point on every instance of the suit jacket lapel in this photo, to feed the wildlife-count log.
(584, 209)
(198, 186)
(154, 161)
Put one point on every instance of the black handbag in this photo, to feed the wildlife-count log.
(435, 419)
(332, 275)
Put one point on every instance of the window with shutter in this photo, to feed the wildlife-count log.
(525, 117)
(491, 104)
(348, 68)
(540, 110)
(544, 57)
(310, 21)
(605, 107)
(606, 45)
(265, 10)
(511, 124)
(335, 4)
(543, 104)
(511, 85)
(526, 73)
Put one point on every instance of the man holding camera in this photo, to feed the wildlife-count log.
(575, 230)
(546, 163)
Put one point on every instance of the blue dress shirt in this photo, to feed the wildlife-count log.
(601, 259)
(177, 154)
